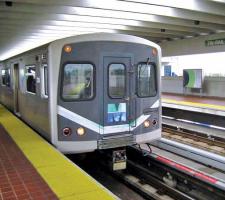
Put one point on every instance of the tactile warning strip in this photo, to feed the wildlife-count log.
(202, 102)
(65, 179)
(18, 178)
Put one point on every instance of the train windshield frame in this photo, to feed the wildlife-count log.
(77, 82)
(146, 80)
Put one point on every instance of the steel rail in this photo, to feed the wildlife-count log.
(195, 137)
(185, 187)
(148, 185)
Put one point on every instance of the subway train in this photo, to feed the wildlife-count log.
(87, 92)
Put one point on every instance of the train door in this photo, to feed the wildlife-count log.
(117, 94)
(16, 88)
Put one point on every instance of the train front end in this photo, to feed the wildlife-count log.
(108, 92)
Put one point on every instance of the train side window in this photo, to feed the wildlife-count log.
(78, 81)
(146, 80)
(117, 84)
(31, 78)
(44, 81)
(6, 77)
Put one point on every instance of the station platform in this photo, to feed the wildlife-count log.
(207, 105)
(30, 168)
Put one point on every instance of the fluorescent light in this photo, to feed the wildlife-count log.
(106, 20)
(130, 6)
(75, 31)
(220, 1)
(190, 4)
(64, 25)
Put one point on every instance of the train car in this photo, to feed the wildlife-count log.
(87, 92)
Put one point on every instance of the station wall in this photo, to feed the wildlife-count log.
(212, 87)
(197, 45)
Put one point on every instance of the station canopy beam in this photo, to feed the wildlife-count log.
(26, 24)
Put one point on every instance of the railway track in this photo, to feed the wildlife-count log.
(136, 179)
(154, 180)
(150, 178)
(144, 172)
(150, 187)
(195, 139)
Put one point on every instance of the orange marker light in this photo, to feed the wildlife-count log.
(67, 48)
(154, 52)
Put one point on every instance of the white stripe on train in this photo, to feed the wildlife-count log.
(97, 127)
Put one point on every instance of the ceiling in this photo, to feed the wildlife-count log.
(25, 24)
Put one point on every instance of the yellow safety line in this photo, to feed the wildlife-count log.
(67, 180)
(193, 104)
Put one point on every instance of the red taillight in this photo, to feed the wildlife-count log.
(66, 131)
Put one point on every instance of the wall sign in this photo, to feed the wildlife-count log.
(192, 78)
(216, 42)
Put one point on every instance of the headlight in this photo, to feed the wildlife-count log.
(80, 131)
(146, 123)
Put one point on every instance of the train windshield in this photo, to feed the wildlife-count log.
(146, 80)
(116, 80)
(77, 82)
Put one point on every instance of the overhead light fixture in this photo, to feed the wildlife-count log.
(203, 33)
(9, 3)
(196, 22)
(83, 26)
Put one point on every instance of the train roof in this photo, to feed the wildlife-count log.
(106, 37)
